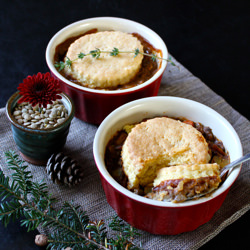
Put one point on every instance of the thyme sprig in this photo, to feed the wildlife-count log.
(114, 52)
(23, 198)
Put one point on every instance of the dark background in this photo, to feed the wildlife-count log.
(210, 38)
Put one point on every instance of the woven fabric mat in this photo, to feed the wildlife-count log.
(90, 195)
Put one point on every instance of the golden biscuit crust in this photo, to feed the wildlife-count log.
(106, 71)
(179, 183)
(191, 171)
(161, 142)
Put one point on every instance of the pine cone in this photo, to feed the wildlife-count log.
(64, 170)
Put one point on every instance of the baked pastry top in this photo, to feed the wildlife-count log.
(178, 183)
(106, 71)
(191, 171)
(161, 142)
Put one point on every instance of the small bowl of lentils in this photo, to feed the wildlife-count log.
(38, 131)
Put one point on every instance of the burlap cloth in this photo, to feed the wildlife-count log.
(90, 195)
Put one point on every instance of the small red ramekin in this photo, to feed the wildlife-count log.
(157, 217)
(93, 105)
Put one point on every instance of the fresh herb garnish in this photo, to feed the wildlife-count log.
(115, 52)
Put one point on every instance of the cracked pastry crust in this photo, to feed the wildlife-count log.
(178, 183)
(106, 71)
(157, 143)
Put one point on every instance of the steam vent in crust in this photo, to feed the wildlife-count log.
(157, 143)
(106, 71)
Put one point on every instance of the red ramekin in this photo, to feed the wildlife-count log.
(93, 105)
(157, 217)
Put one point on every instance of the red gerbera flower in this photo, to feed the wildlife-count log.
(39, 89)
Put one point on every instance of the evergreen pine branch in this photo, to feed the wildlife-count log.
(20, 176)
(126, 233)
(10, 211)
(75, 214)
(70, 225)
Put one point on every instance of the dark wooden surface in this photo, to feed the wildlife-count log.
(210, 38)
